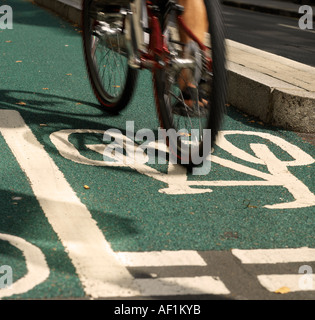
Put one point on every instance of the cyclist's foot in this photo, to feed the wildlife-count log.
(193, 103)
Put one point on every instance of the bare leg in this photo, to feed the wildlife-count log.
(195, 17)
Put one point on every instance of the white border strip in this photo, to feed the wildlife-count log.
(96, 264)
(260, 256)
(182, 286)
(161, 258)
(293, 282)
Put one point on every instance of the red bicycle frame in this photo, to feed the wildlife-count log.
(157, 45)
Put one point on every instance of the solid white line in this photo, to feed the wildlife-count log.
(181, 286)
(260, 256)
(37, 268)
(288, 26)
(161, 258)
(296, 28)
(96, 264)
(294, 282)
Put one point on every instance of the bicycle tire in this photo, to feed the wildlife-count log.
(110, 99)
(217, 101)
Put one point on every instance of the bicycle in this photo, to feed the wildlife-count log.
(122, 37)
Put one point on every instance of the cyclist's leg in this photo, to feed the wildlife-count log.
(195, 17)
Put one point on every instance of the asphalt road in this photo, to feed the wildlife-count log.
(276, 34)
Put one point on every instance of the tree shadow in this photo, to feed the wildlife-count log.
(24, 218)
(34, 102)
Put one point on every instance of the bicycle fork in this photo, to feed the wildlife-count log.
(137, 40)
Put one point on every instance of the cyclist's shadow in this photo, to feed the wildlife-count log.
(39, 108)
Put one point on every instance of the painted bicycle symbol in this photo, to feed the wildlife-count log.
(177, 179)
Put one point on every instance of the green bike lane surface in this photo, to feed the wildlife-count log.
(46, 82)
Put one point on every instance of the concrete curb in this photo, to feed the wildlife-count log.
(277, 90)
(67, 9)
(289, 109)
(261, 93)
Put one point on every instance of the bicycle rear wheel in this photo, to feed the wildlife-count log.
(106, 57)
(190, 90)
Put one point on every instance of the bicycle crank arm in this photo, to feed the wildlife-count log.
(180, 63)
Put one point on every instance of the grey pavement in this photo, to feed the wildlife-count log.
(277, 90)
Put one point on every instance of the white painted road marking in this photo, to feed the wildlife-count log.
(98, 269)
(161, 258)
(177, 179)
(181, 286)
(273, 282)
(172, 285)
(296, 28)
(260, 256)
(37, 268)
(104, 273)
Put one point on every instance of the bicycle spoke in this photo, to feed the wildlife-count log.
(105, 55)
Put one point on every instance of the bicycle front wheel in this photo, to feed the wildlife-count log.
(190, 90)
(106, 57)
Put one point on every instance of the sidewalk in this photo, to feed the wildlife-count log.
(277, 90)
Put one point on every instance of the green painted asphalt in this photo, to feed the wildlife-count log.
(44, 78)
